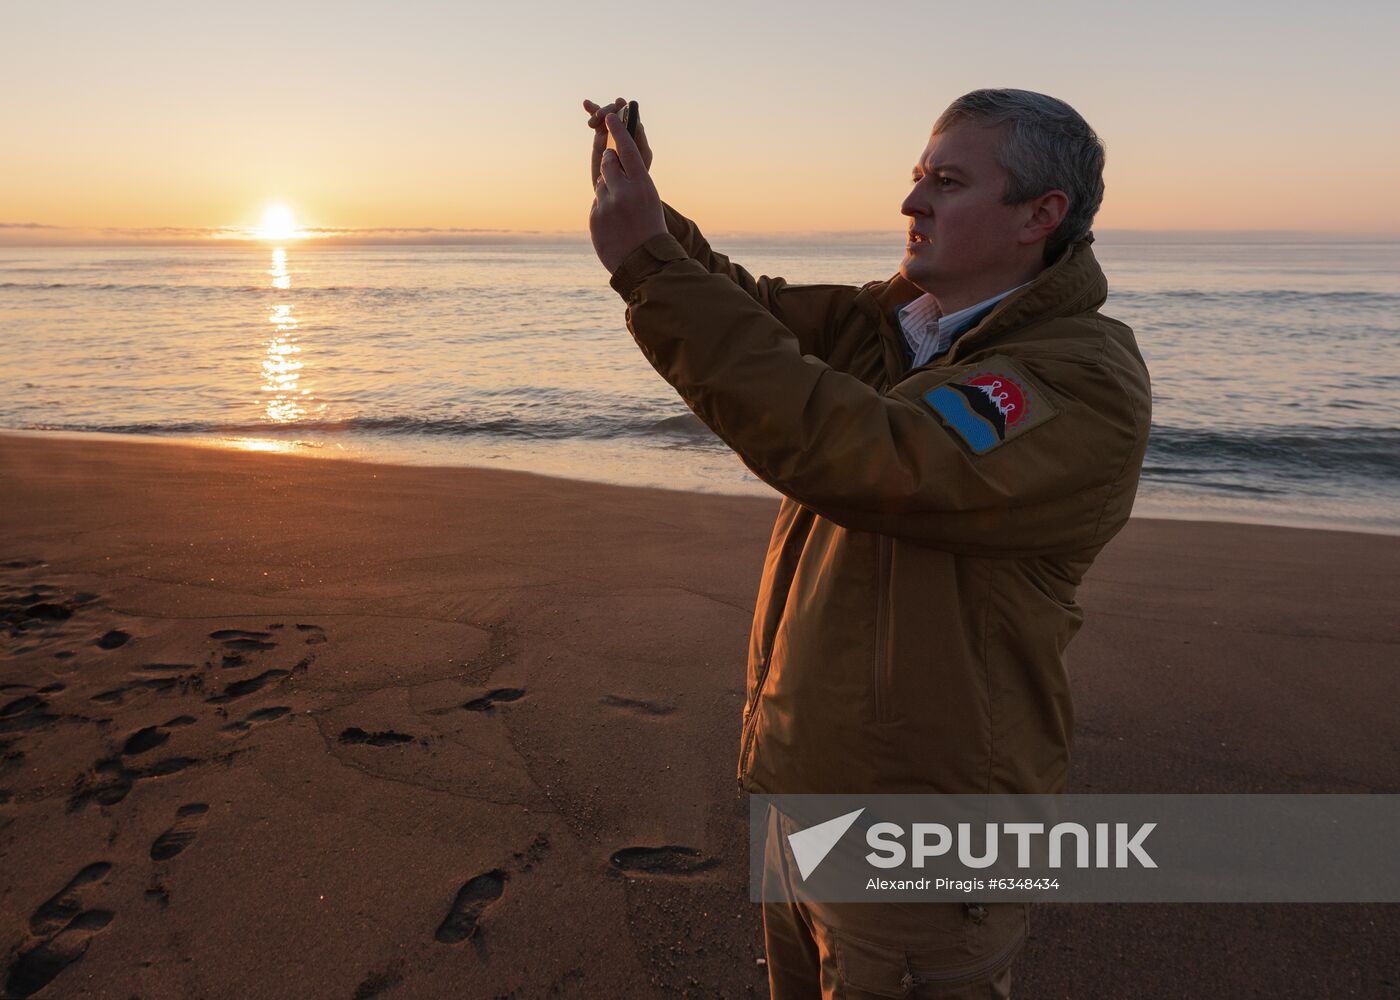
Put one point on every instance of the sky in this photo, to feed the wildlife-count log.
(149, 119)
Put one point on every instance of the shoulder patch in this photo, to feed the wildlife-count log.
(991, 404)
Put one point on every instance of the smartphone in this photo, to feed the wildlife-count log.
(631, 118)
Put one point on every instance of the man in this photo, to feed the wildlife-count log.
(954, 447)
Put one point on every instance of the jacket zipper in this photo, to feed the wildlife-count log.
(882, 636)
(751, 722)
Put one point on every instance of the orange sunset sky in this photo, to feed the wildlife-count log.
(126, 120)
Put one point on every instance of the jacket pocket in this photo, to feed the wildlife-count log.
(882, 682)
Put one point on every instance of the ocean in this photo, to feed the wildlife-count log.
(1275, 366)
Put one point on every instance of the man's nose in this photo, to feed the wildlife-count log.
(913, 205)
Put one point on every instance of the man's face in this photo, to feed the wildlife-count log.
(966, 237)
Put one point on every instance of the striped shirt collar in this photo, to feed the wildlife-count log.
(928, 333)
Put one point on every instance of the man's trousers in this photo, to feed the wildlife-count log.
(855, 951)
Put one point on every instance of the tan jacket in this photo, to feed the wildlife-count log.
(918, 592)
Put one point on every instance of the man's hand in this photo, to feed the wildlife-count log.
(597, 114)
(626, 208)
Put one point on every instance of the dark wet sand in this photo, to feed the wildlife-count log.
(283, 727)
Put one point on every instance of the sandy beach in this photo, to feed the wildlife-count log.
(286, 727)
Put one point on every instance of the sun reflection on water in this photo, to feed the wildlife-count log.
(287, 399)
(262, 444)
(281, 277)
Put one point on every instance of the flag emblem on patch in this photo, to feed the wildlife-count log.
(991, 405)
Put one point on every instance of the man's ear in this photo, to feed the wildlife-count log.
(1044, 217)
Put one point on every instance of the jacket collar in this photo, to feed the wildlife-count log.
(1073, 284)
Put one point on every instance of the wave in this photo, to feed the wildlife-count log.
(1298, 453)
(467, 295)
(591, 426)
(108, 286)
(1280, 296)
(1250, 458)
(1288, 298)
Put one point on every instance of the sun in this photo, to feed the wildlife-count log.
(277, 223)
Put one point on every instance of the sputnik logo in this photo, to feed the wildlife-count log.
(811, 846)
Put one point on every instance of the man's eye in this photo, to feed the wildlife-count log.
(940, 181)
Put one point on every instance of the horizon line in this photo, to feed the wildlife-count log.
(17, 234)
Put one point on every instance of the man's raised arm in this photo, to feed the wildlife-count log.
(809, 311)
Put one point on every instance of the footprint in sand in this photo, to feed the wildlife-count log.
(386, 738)
(315, 634)
(244, 641)
(151, 737)
(237, 641)
(114, 639)
(242, 646)
(636, 705)
(38, 611)
(107, 785)
(39, 605)
(56, 911)
(25, 713)
(35, 968)
(188, 821)
(110, 781)
(159, 684)
(488, 701)
(531, 856)
(377, 982)
(60, 931)
(257, 718)
(157, 893)
(239, 689)
(472, 900)
(144, 739)
(9, 758)
(668, 860)
(118, 695)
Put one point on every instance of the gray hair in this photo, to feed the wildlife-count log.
(1047, 146)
